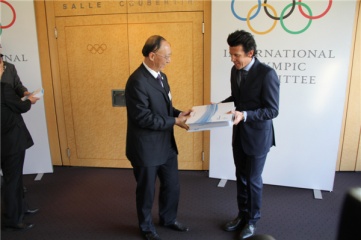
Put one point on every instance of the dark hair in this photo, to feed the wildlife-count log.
(241, 37)
(152, 44)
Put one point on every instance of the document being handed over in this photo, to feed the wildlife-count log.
(211, 116)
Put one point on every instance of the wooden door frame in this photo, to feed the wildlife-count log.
(45, 24)
(349, 157)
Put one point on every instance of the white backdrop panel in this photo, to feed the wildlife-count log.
(312, 63)
(20, 45)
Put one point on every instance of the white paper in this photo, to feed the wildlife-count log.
(37, 93)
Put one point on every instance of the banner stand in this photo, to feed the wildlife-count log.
(312, 66)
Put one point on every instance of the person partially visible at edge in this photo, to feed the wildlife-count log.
(10, 76)
(150, 142)
(15, 139)
(255, 92)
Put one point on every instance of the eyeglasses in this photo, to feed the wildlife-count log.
(165, 57)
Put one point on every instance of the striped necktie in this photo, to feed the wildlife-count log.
(160, 80)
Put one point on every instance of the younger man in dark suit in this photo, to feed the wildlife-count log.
(151, 146)
(255, 93)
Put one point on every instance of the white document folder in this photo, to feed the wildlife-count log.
(211, 116)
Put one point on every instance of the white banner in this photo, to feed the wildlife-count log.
(20, 47)
(308, 43)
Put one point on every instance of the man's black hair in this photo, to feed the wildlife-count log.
(241, 37)
(152, 44)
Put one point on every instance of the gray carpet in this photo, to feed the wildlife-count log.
(99, 203)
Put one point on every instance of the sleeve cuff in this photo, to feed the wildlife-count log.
(244, 116)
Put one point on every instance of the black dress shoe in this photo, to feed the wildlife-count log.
(19, 227)
(151, 236)
(247, 231)
(178, 227)
(234, 225)
(32, 211)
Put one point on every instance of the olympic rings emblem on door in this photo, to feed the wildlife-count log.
(13, 18)
(96, 48)
(285, 13)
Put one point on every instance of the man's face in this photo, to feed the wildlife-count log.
(239, 58)
(161, 57)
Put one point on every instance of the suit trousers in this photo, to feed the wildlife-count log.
(168, 193)
(249, 182)
(12, 190)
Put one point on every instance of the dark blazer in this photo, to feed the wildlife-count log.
(11, 77)
(151, 117)
(259, 97)
(15, 136)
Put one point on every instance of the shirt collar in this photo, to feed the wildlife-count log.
(249, 65)
(154, 73)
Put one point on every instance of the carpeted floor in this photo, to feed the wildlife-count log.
(99, 204)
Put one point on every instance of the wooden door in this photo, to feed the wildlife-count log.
(93, 60)
(97, 54)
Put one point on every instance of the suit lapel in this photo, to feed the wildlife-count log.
(250, 79)
(166, 88)
(155, 84)
(253, 69)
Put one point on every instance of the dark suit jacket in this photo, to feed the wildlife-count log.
(259, 97)
(11, 77)
(151, 117)
(15, 136)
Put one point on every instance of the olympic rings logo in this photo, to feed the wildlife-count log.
(96, 48)
(283, 15)
(13, 19)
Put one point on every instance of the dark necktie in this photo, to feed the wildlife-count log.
(160, 80)
(241, 77)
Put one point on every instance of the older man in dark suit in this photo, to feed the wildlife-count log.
(255, 93)
(151, 146)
